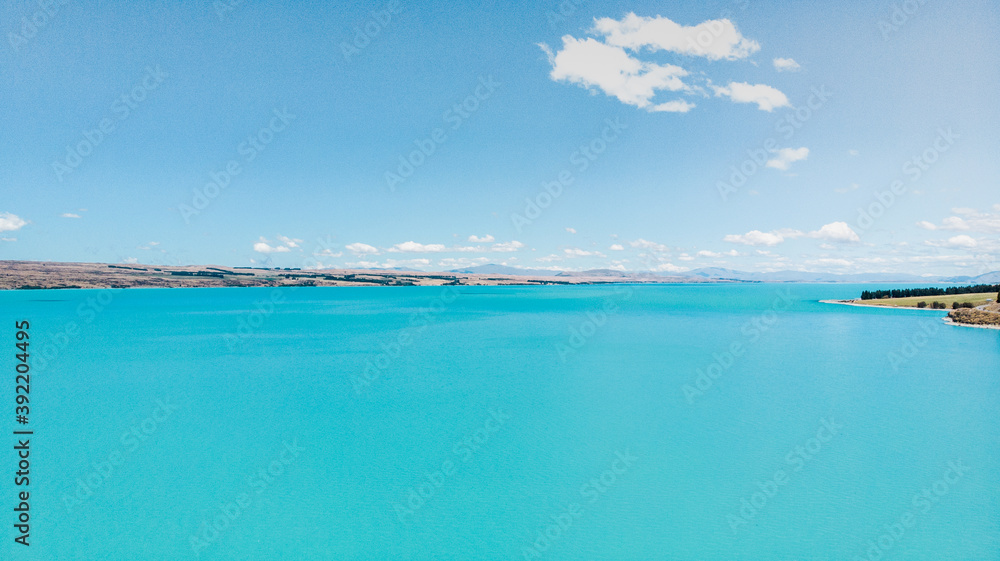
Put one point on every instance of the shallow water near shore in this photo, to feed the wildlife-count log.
(638, 422)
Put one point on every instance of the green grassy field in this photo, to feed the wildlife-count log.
(975, 299)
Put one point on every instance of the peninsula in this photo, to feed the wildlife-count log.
(970, 305)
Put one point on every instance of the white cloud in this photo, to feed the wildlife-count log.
(507, 246)
(577, 252)
(955, 223)
(830, 262)
(713, 39)
(787, 156)
(646, 244)
(289, 242)
(848, 189)
(669, 268)
(361, 249)
(390, 264)
(617, 247)
(549, 258)
(592, 64)
(836, 232)
(685, 257)
(362, 265)
(612, 62)
(786, 65)
(756, 237)
(148, 246)
(936, 258)
(961, 242)
(130, 260)
(766, 97)
(676, 106)
(715, 254)
(327, 252)
(571, 230)
(8, 239)
(454, 262)
(69, 215)
(853, 152)
(971, 220)
(264, 247)
(11, 222)
(414, 247)
(549, 268)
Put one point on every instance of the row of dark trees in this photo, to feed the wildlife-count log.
(942, 306)
(908, 292)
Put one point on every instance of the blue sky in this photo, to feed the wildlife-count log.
(121, 121)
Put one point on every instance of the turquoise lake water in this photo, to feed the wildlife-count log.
(676, 422)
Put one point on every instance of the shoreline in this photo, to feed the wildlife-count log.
(946, 319)
(954, 323)
(57, 275)
(297, 286)
(880, 306)
(40, 275)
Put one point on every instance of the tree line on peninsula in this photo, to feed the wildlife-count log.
(910, 292)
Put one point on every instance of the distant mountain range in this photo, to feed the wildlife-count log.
(716, 274)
